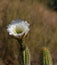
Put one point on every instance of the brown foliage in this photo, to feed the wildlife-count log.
(43, 25)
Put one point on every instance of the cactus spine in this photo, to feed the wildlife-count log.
(47, 59)
(26, 56)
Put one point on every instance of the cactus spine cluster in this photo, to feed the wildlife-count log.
(26, 56)
(47, 59)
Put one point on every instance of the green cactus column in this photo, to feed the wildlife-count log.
(47, 59)
(26, 55)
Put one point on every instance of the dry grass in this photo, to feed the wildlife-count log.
(43, 27)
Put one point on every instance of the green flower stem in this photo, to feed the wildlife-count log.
(21, 48)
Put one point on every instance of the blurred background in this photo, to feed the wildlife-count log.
(42, 16)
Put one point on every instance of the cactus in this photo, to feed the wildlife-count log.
(47, 59)
(26, 56)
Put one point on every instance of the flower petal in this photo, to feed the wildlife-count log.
(18, 26)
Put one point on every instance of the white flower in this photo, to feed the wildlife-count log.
(18, 28)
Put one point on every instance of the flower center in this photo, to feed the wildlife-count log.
(18, 30)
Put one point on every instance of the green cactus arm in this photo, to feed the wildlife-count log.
(47, 59)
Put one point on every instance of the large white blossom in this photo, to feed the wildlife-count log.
(18, 28)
